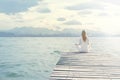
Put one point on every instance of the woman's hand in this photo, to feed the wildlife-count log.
(78, 45)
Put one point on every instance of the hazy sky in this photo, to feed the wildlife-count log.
(101, 15)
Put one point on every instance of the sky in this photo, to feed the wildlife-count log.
(100, 15)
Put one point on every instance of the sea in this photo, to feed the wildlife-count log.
(33, 58)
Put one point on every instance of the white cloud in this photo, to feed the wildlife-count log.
(86, 6)
(61, 19)
(49, 14)
(103, 14)
(73, 22)
(115, 2)
(85, 12)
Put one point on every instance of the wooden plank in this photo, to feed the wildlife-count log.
(86, 66)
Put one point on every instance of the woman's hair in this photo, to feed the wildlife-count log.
(84, 35)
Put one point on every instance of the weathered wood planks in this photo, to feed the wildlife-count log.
(86, 66)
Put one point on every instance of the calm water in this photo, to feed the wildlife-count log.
(34, 58)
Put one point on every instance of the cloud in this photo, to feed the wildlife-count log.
(86, 6)
(116, 2)
(103, 14)
(40, 8)
(58, 28)
(86, 12)
(14, 6)
(49, 14)
(44, 10)
(73, 22)
(61, 19)
(32, 17)
(89, 23)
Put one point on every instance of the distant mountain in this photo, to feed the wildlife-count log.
(44, 32)
(3, 34)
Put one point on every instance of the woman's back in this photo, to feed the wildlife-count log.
(84, 42)
(84, 45)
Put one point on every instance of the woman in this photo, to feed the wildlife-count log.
(84, 42)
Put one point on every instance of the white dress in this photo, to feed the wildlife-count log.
(84, 45)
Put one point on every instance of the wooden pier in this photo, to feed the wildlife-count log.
(86, 66)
